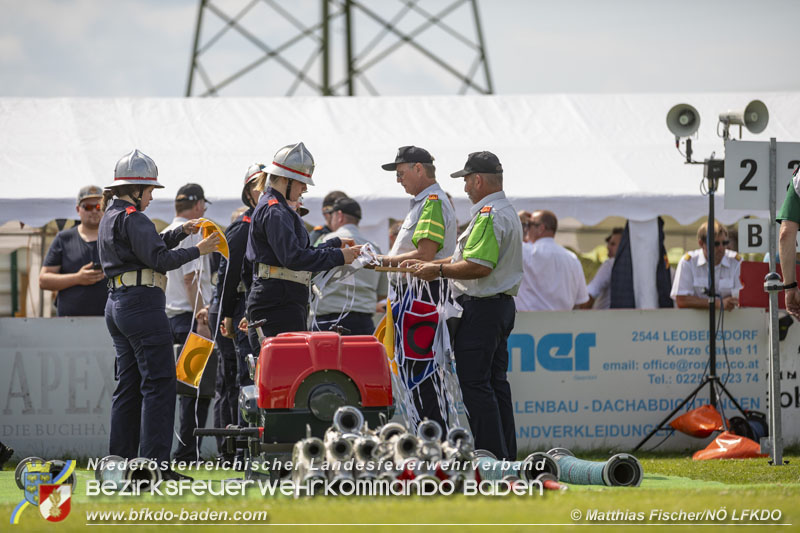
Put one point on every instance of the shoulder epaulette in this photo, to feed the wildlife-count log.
(486, 209)
(272, 201)
(687, 256)
(738, 257)
(246, 218)
(317, 228)
(130, 209)
(433, 197)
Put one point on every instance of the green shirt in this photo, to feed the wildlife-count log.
(790, 210)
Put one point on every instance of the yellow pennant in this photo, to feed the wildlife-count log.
(385, 334)
(208, 227)
(193, 359)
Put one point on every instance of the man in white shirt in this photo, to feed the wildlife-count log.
(552, 275)
(186, 286)
(689, 289)
(361, 296)
(599, 288)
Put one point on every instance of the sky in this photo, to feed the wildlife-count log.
(130, 48)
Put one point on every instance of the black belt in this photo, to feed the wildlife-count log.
(468, 298)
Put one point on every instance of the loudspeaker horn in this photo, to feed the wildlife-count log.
(756, 116)
(683, 120)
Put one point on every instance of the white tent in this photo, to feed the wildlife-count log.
(581, 156)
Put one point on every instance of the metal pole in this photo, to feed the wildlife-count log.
(485, 59)
(348, 29)
(194, 46)
(326, 36)
(712, 293)
(774, 342)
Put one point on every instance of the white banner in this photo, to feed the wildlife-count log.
(583, 379)
(56, 384)
(605, 379)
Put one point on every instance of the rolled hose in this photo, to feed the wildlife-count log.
(621, 470)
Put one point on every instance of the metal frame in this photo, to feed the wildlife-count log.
(357, 63)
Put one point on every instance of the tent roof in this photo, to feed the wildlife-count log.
(582, 156)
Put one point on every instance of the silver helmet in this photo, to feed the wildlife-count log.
(253, 171)
(293, 161)
(135, 168)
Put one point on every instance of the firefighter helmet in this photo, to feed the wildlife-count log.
(253, 171)
(135, 168)
(293, 161)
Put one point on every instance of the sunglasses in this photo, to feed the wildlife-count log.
(721, 243)
(90, 207)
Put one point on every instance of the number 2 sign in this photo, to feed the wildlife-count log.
(747, 173)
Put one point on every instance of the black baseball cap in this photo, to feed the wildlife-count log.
(191, 192)
(90, 191)
(480, 162)
(348, 206)
(409, 154)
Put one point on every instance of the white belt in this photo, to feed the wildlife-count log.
(147, 277)
(275, 272)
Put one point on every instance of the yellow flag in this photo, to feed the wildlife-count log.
(208, 227)
(193, 359)
(385, 334)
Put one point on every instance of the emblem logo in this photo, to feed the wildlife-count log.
(47, 485)
(54, 502)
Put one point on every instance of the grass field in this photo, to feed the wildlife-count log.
(672, 483)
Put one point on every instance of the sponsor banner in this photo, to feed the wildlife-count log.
(605, 379)
(581, 379)
(56, 384)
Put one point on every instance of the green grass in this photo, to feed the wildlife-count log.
(672, 483)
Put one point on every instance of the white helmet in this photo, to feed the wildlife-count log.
(135, 168)
(293, 161)
(253, 171)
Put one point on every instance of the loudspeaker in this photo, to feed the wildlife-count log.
(756, 116)
(683, 120)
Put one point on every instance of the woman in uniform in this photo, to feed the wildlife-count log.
(135, 259)
(280, 250)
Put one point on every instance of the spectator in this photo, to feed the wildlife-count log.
(689, 289)
(552, 275)
(370, 286)
(599, 288)
(188, 288)
(72, 265)
(320, 231)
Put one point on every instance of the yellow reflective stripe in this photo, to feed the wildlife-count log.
(422, 234)
(432, 222)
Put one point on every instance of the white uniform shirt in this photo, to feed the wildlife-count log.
(552, 278)
(600, 286)
(691, 276)
(177, 298)
(506, 275)
(404, 242)
(368, 283)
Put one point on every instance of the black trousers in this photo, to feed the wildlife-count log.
(481, 353)
(357, 323)
(226, 391)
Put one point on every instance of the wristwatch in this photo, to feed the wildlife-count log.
(441, 272)
(791, 285)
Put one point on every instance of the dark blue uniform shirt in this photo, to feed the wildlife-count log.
(236, 234)
(279, 238)
(127, 240)
(71, 253)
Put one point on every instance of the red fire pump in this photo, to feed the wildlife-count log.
(301, 379)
